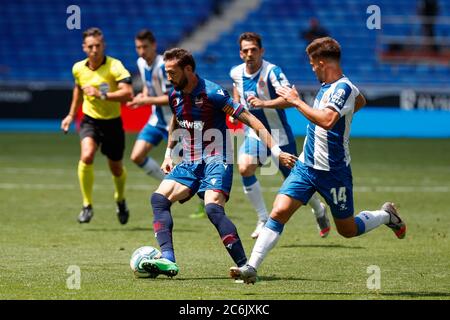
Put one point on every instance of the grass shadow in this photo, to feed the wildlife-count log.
(329, 246)
(416, 294)
(274, 278)
(136, 229)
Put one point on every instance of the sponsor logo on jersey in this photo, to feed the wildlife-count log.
(196, 125)
(338, 97)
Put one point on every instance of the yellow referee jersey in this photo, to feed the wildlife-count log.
(105, 78)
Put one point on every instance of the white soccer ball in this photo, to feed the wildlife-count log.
(146, 252)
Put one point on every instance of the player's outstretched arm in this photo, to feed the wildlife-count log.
(167, 164)
(77, 99)
(277, 103)
(325, 118)
(141, 100)
(286, 159)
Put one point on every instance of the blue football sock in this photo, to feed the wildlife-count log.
(227, 232)
(163, 225)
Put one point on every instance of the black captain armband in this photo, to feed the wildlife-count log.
(125, 80)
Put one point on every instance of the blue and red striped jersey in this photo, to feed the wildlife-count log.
(201, 118)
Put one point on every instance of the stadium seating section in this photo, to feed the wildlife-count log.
(40, 47)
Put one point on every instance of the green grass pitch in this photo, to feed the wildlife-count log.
(40, 237)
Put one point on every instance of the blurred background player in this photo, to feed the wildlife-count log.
(254, 84)
(154, 92)
(314, 31)
(324, 165)
(200, 108)
(101, 84)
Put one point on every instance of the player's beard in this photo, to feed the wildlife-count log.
(181, 84)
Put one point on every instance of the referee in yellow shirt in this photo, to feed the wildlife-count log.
(101, 84)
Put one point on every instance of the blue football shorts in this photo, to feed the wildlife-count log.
(335, 186)
(214, 175)
(152, 134)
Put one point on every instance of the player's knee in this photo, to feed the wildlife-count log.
(159, 202)
(246, 170)
(346, 232)
(87, 158)
(137, 158)
(279, 211)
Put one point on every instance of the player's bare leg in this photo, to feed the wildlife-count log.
(283, 208)
(139, 155)
(369, 220)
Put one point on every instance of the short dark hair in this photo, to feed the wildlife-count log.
(251, 36)
(183, 56)
(92, 32)
(146, 34)
(326, 47)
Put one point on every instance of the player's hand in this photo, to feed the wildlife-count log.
(233, 120)
(137, 101)
(287, 159)
(255, 102)
(167, 165)
(91, 91)
(65, 123)
(289, 94)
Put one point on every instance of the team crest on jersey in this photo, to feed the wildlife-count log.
(198, 101)
(261, 83)
(103, 87)
(176, 101)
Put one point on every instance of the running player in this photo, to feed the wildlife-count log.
(254, 85)
(101, 84)
(324, 165)
(200, 108)
(154, 92)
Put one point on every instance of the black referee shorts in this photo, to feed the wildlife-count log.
(108, 134)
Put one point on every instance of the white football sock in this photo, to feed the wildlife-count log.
(373, 219)
(152, 168)
(255, 196)
(314, 203)
(266, 241)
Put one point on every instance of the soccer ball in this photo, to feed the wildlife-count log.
(146, 252)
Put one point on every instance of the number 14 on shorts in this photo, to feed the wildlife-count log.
(338, 195)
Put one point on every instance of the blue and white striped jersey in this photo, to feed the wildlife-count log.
(329, 150)
(155, 79)
(262, 85)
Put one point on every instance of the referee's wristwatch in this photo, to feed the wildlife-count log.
(103, 95)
